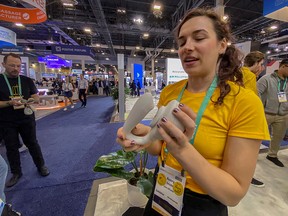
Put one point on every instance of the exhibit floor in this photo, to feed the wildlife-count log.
(269, 200)
(266, 201)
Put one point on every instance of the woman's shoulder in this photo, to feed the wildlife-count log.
(242, 94)
(177, 85)
(171, 92)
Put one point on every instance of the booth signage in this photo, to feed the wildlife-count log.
(16, 50)
(175, 71)
(276, 9)
(138, 73)
(76, 71)
(244, 47)
(7, 37)
(49, 75)
(23, 69)
(53, 61)
(34, 15)
(73, 50)
(270, 6)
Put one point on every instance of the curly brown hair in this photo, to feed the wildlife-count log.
(230, 61)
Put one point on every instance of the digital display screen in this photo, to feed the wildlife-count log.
(138, 73)
(55, 62)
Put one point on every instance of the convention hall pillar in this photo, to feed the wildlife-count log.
(83, 64)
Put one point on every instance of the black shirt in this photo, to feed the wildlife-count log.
(9, 116)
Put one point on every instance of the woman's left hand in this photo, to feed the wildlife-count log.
(177, 140)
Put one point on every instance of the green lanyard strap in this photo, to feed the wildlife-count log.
(9, 86)
(279, 85)
(203, 106)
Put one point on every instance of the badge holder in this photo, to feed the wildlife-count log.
(282, 97)
(169, 191)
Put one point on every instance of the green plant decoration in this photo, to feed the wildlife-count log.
(115, 162)
(115, 92)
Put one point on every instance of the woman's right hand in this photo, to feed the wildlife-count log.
(130, 145)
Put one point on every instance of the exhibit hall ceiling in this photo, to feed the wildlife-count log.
(133, 27)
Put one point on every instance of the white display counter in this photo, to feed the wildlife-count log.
(48, 100)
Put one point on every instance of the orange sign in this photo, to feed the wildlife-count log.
(25, 15)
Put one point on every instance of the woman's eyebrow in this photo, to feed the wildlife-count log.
(194, 33)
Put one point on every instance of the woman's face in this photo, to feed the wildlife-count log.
(198, 47)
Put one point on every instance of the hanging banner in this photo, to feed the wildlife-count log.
(14, 49)
(33, 15)
(276, 9)
(7, 37)
(73, 50)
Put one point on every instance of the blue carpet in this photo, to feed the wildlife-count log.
(71, 142)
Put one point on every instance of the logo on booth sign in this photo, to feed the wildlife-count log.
(26, 16)
(36, 13)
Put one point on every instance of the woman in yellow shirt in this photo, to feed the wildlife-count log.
(226, 123)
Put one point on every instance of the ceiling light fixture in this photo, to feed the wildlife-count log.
(87, 29)
(225, 18)
(157, 7)
(138, 20)
(69, 3)
(273, 27)
(121, 10)
(157, 12)
(145, 35)
(19, 24)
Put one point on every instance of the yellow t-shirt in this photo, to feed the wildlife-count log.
(249, 79)
(241, 115)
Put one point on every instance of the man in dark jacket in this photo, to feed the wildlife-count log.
(16, 118)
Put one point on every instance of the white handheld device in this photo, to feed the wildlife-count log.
(141, 108)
